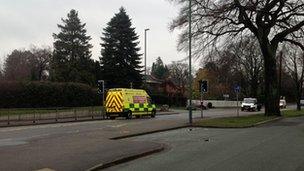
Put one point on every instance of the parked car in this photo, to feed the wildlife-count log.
(282, 103)
(302, 101)
(197, 104)
(250, 104)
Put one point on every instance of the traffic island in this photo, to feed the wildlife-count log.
(127, 158)
(236, 122)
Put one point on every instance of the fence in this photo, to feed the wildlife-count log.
(216, 103)
(13, 117)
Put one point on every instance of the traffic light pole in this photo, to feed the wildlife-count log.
(202, 104)
(101, 87)
(237, 104)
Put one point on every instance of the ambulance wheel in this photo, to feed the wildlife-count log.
(129, 115)
(153, 114)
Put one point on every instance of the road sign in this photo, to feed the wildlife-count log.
(226, 95)
(204, 86)
(237, 88)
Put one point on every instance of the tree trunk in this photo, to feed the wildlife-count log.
(298, 104)
(271, 79)
(299, 95)
(254, 88)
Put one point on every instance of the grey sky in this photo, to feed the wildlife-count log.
(32, 22)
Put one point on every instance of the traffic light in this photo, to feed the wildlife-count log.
(204, 86)
(100, 84)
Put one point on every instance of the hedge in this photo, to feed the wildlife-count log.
(46, 94)
(161, 99)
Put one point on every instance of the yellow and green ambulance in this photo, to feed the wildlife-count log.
(122, 102)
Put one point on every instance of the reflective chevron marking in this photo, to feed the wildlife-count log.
(114, 102)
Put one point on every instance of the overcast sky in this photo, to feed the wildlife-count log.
(32, 22)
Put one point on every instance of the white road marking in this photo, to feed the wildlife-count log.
(118, 126)
(45, 169)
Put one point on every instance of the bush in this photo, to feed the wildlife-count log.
(46, 94)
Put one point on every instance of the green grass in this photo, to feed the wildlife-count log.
(292, 113)
(234, 122)
(22, 111)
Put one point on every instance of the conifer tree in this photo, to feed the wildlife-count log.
(159, 70)
(120, 58)
(72, 61)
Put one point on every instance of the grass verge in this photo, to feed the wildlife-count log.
(292, 113)
(235, 122)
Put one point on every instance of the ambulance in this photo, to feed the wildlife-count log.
(121, 102)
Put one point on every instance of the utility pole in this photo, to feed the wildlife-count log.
(146, 55)
(190, 75)
(280, 73)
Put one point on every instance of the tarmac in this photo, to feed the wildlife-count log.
(277, 146)
(88, 145)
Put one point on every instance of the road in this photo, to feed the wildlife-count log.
(79, 146)
(278, 146)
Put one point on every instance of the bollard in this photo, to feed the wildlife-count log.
(56, 115)
(34, 121)
(39, 116)
(102, 112)
(8, 117)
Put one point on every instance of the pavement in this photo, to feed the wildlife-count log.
(276, 146)
(82, 145)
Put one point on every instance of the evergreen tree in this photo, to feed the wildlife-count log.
(159, 70)
(72, 61)
(1, 71)
(120, 59)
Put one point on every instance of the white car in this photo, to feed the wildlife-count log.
(282, 103)
(250, 104)
(302, 102)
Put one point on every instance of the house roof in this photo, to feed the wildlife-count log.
(152, 80)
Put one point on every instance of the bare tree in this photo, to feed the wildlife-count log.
(16, 66)
(295, 66)
(178, 73)
(249, 61)
(270, 21)
(31, 64)
(40, 62)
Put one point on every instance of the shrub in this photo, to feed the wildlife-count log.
(46, 94)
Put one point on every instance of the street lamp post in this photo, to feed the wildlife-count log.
(190, 75)
(146, 55)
